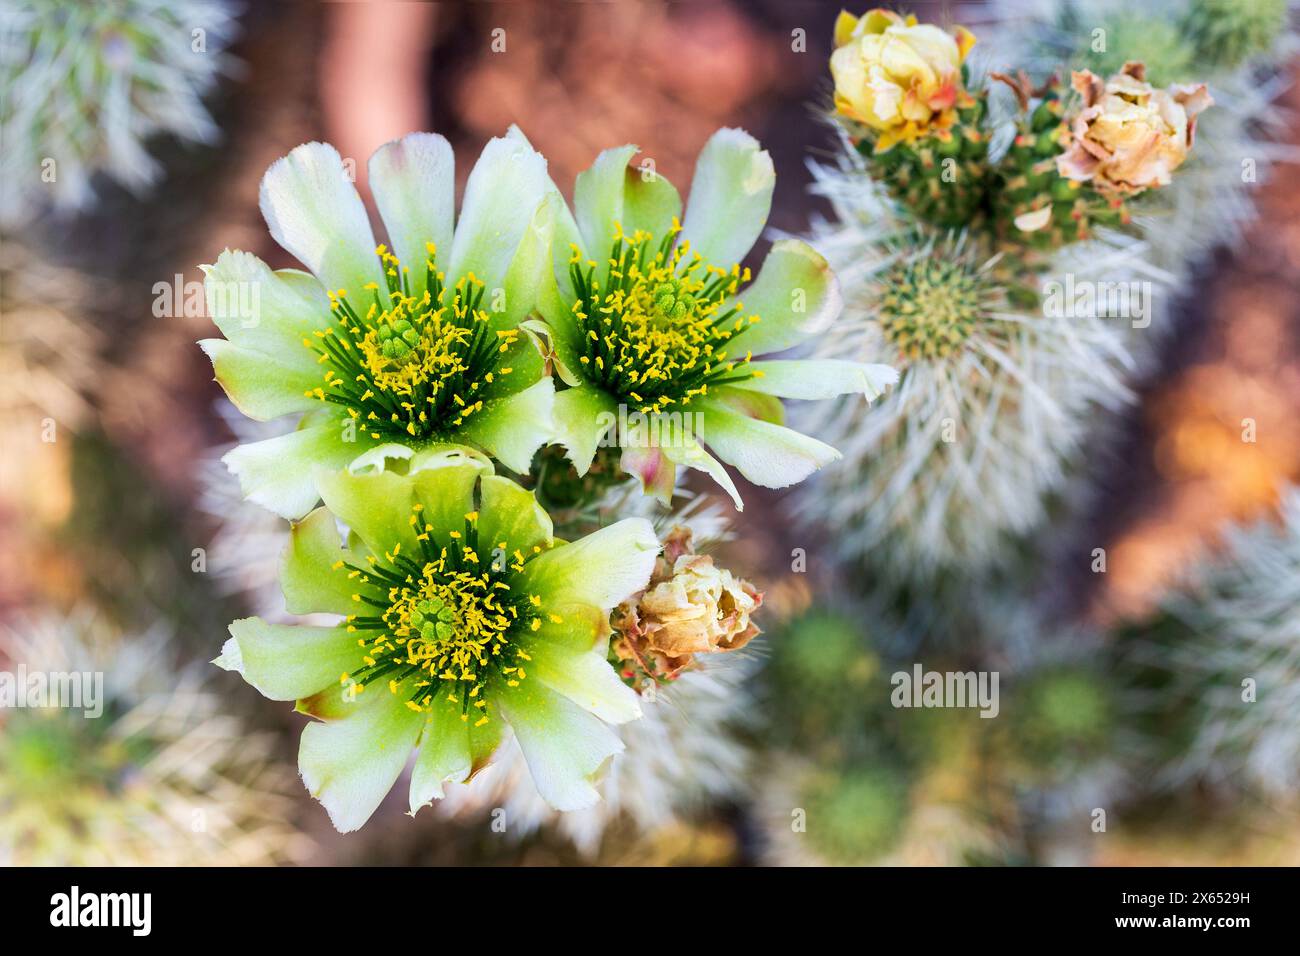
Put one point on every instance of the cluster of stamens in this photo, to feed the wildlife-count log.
(413, 366)
(442, 621)
(655, 334)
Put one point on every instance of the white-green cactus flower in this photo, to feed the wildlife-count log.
(657, 340)
(462, 616)
(394, 347)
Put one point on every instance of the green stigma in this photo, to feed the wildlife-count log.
(413, 367)
(655, 334)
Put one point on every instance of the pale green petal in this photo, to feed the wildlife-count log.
(277, 473)
(527, 364)
(795, 296)
(602, 569)
(289, 661)
(566, 748)
(580, 628)
(349, 764)
(271, 312)
(561, 331)
(587, 679)
(378, 506)
(414, 182)
(691, 455)
(748, 402)
(583, 416)
(650, 202)
(444, 754)
(261, 386)
(613, 192)
(308, 577)
(529, 267)
(769, 455)
(508, 514)
(501, 197)
(453, 750)
(731, 196)
(511, 429)
(444, 484)
(819, 378)
(314, 212)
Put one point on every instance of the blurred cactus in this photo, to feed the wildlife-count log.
(993, 400)
(1218, 671)
(87, 84)
(1168, 52)
(834, 814)
(822, 677)
(1226, 33)
(1061, 720)
(160, 778)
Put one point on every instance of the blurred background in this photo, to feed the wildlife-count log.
(123, 540)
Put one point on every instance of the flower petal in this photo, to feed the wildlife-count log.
(692, 455)
(657, 471)
(819, 378)
(508, 514)
(501, 197)
(731, 196)
(350, 763)
(769, 455)
(613, 192)
(266, 311)
(290, 661)
(444, 754)
(579, 422)
(602, 569)
(414, 182)
(262, 387)
(795, 296)
(511, 429)
(588, 680)
(277, 473)
(566, 747)
(561, 331)
(314, 212)
(524, 357)
(529, 266)
(580, 628)
(378, 506)
(308, 577)
(444, 483)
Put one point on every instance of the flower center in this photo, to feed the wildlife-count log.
(655, 334)
(930, 307)
(442, 621)
(413, 366)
